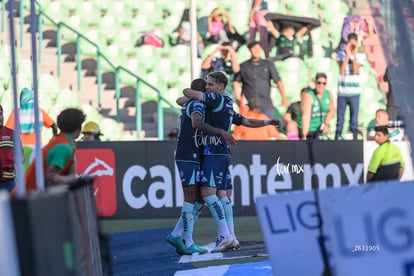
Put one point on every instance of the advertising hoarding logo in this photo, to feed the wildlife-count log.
(101, 164)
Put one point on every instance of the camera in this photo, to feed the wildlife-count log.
(396, 124)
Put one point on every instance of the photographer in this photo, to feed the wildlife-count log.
(395, 128)
(316, 110)
(225, 62)
(349, 89)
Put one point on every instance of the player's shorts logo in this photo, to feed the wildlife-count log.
(101, 164)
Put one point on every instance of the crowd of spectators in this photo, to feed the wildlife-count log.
(255, 76)
(252, 81)
(251, 59)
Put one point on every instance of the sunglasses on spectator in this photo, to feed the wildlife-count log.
(320, 82)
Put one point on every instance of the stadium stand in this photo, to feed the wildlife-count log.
(116, 26)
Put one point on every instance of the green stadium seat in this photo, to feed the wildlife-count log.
(5, 53)
(7, 102)
(5, 73)
(111, 129)
(88, 49)
(243, 54)
(242, 7)
(57, 10)
(321, 37)
(304, 7)
(240, 21)
(171, 23)
(132, 64)
(116, 8)
(48, 86)
(125, 39)
(76, 22)
(90, 12)
(204, 8)
(171, 94)
(180, 56)
(18, 56)
(372, 94)
(277, 7)
(367, 79)
(71, 5)
(109, 27)
(156, 81)
(277, 100)
(115, 55)
(167, 70)
(294, 75)
(327, 5)
(293, 64)
(140, 23)
(67, 98)
(91, 112)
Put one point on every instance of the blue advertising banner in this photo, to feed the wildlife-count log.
(364, 230)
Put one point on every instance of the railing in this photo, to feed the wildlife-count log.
(99, 56)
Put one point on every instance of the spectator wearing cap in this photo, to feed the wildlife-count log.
(217, 27)
(387, 162)
(349, 89)
(91, 131)
(220, 29)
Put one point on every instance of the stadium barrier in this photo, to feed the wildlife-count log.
(8, 251)
(57, 232)
(139, 179)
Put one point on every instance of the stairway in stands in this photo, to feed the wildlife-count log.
(88, 93)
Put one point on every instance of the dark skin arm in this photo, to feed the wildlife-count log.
(193, 94)
(182, 100)
(254, 123)
(197, 122)
(401, 172)
(53, 176)
(370, 175)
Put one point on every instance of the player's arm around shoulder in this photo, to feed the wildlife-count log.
(193, 94)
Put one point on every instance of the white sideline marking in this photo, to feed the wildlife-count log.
(203, 257)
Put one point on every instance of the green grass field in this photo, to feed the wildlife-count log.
(247, 229)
